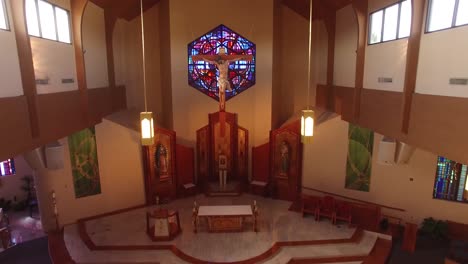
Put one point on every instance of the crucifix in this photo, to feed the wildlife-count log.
(222, 60)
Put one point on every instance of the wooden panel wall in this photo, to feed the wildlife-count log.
(381, 110)
(99, 103)
(185, 165)
(261, 163)
(434, 123)
(59, 114)
(16, 130)
(33, 120)
(437, 123)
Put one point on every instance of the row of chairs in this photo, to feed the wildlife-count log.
(327, 207)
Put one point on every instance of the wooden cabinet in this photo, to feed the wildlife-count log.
(159, 167)
(286, 161)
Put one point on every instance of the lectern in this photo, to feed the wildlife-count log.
(162, 224)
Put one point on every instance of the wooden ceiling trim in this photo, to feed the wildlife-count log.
(125, 9)
(321, 7)
(109, 22)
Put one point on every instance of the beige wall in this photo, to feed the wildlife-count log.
(253, 20)
(345, 47)
(386, 60)
(10, 186)
(443, 56)
(294, 63)
(9, 64)
(391, 185)
(121, 174)
(294, 52)
(129, 63)
(94, 46)
(54, 61)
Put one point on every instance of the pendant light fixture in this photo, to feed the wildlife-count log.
(307, 119)
(146, 118)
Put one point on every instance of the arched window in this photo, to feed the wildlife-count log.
(203, 76)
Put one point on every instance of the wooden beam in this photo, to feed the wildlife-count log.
(110, 19)
(360, 9)
(412, 58)
(166, 78)
(330, 24)
(26, 64)
(77, 10)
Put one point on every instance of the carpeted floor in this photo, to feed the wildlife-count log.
(35, 251)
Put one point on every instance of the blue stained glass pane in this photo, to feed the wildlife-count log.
(204, 76)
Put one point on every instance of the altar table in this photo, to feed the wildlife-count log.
(224, 218)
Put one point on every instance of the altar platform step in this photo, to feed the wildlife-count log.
(213, 189)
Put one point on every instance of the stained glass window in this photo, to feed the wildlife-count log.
(451, 181)
(7, 167)
(203, 76)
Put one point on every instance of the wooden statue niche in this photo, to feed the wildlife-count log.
(286, 161)
(159, 167)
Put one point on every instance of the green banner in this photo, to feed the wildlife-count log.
(84, 163)
(359, 161)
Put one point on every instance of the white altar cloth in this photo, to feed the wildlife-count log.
(225, 210)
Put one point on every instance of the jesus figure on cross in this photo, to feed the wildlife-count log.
(222, 60)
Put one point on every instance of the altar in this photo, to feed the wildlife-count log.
(225, 218)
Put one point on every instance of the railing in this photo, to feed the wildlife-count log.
(354, 199)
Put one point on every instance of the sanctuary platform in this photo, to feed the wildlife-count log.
(282, 236)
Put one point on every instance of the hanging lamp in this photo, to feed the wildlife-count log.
(146, 118)
(307, 119)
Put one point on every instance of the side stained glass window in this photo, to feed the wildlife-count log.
(203, 76)
(451, 181)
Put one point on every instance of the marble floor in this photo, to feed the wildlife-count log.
(23, 227)
(276, 224)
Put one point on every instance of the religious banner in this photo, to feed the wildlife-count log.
(359, 161)
(84, 163)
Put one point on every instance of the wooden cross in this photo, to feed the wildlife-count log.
(222, 60)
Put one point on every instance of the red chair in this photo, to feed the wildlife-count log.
(343, 212)
(326, 208)
(310, 204)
